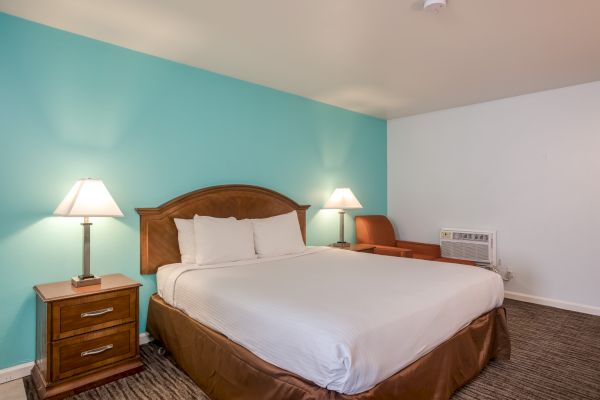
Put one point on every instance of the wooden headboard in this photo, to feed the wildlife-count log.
(158, 233)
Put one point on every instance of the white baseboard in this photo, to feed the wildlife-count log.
(145, 338)
(565, 305)
(16, 372)
(22, 370)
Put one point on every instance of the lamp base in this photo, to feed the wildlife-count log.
(80, 281)
(341, 244)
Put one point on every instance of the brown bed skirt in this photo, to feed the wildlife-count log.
(225, 370)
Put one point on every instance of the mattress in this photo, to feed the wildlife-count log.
(341, 319)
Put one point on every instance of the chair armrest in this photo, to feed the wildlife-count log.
(393, 251)
(432, 250)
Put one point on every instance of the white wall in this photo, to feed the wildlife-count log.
(527, 166)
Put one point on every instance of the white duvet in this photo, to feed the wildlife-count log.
(342, 319)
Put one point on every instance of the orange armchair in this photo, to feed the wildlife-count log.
(377, 230)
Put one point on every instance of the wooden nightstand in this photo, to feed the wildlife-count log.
(362, 248)
(85, 336)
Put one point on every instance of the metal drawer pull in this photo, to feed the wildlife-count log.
(96, 313)
(96, 351)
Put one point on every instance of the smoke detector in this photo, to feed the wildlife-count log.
(434, 5)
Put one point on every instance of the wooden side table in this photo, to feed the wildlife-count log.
(362, 248)
(85, 336)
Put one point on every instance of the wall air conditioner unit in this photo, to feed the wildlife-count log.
(468, 244)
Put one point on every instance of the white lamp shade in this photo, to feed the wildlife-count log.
(343, 198)
(88, 198)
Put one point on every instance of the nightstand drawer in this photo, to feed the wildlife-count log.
(88, 352)
(81, 315)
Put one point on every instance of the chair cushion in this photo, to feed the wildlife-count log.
(375, 229)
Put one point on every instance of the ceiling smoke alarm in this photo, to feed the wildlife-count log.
(434, 5)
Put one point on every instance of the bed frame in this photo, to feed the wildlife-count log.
(225, 370)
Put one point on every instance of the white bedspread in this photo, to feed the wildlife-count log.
(344, 320)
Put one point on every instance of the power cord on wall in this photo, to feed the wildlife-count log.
(507, 275)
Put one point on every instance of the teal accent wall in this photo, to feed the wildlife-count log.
(72, 107)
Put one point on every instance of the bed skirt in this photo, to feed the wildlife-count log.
(225, 370)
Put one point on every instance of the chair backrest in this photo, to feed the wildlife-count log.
(375, 229)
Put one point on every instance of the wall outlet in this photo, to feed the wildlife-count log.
(505, 271)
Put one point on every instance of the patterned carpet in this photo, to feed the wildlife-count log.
(555, 356)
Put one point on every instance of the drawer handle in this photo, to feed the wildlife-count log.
(96, 351)
(96, 313)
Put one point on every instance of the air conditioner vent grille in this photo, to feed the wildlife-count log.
(478, 246)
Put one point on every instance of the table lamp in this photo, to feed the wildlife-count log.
(87, 198)
(342, 199)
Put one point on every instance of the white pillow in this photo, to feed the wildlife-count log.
(277, 236)
(187, 239)
(185, 235)
(220, 240)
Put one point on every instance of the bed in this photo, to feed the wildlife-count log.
(323, 324)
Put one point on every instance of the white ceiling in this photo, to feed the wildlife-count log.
(386, 58)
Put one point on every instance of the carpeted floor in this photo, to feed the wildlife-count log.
(555, 356)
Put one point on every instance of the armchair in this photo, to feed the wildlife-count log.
(377, 230)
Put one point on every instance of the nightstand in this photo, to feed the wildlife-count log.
(85, 336)
(362, 248)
